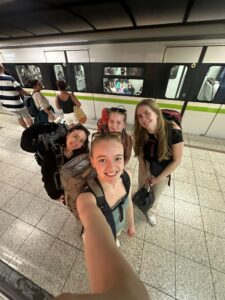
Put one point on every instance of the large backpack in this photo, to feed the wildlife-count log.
(173, 115)
(74, 175)
(31, 106)
(41, 137)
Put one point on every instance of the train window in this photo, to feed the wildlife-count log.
(28, 72)
(123, 86)
(211, 83)
(176, 80)
(59, 73)
(80, 78)
(123, 71)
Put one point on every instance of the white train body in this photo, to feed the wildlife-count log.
(204, 116)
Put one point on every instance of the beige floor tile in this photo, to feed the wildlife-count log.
(54, 219)
(140, 223)
(15, 176)
(5, 221)
(193, 280)
(3, 166)
(169, 190)
(200, 154)
(7, 192)
(184, 175)
(214, 221)
(206, 180)
(219, 168)
(77, 282)
(221, 181)
(12, 239)
(201, 165)
(34, 211)
(165, 207)
(186, 162)
(211, 199)
(43, 194)
(217, 157)
(34, 185)
(191, 243)
(186, 191)
(71, 232)
(216, 248)
(158, 268)
(56, 267)
(156, 294)
(25, 261)
(219, 282)
(18, 203)
(132, 249)
(188, 214)
(162, 234)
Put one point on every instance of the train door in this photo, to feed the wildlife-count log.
(197, 115)
(73, 66)
(213, 89)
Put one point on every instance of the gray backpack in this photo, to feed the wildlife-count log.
(74, 175)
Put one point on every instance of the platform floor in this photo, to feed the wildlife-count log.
(182, 257)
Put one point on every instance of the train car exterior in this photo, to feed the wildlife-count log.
(188, 76)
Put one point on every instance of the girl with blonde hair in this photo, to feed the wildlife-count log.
(158, 144)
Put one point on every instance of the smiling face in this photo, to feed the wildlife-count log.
(108, 160)
(147, 118)
(116, 122)
(75, 139)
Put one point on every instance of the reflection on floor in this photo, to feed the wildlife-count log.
(182, 257)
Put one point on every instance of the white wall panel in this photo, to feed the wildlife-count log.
(215, 54)
(182, 54)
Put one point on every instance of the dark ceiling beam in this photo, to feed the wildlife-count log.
(126, 7)
(67, 7)
(130, 29)
(188, 10)
(8, 22)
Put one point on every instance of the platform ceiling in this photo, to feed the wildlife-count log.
(25, 19)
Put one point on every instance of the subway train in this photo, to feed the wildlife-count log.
(188, 76)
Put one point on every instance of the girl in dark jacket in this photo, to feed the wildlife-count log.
(70, 143)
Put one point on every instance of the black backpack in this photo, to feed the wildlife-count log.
(172, 115)
(31, 106)
(41, 137)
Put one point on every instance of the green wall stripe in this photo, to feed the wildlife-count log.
(134, 102)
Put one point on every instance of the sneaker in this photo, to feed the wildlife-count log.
(117, 243)
(152, 220)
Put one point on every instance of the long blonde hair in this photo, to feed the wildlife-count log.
(141, 135)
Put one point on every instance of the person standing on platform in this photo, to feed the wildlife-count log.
(10, 98)
(158, 144)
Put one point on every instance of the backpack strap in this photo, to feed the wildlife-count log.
(95, 188)
(126, 181)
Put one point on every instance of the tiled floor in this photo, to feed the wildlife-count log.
(183, 257)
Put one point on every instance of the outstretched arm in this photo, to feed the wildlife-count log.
(111, 277)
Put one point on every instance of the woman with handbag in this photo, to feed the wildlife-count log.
(158, 144)
(67, 102)
(46, 111)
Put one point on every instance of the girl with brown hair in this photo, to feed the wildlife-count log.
(158, 144)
